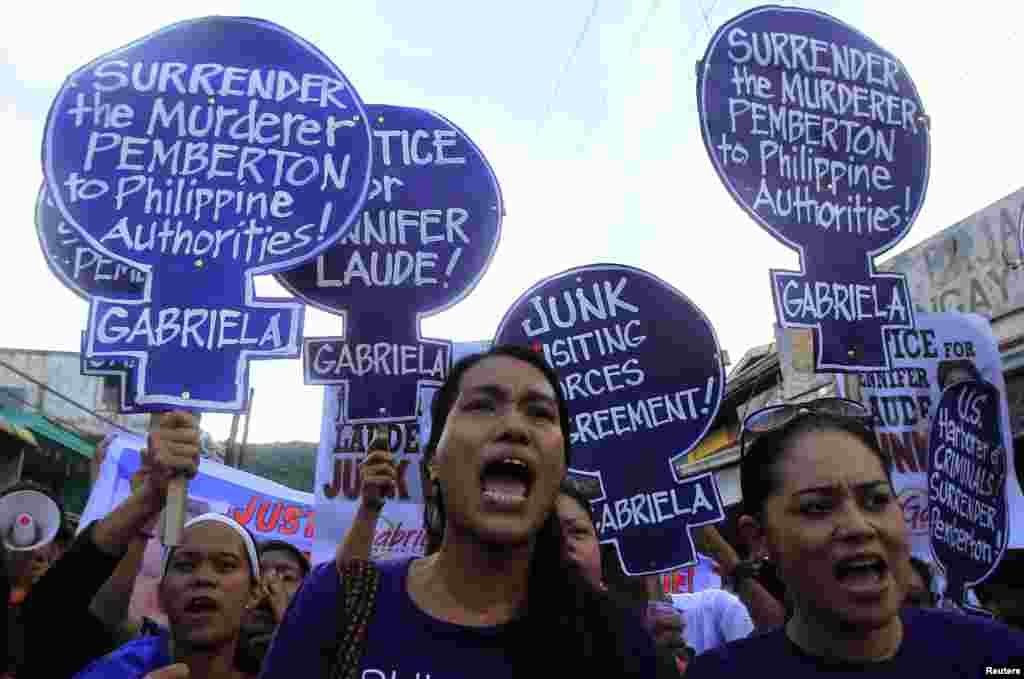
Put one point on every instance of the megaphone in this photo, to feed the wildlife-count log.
(29, 520)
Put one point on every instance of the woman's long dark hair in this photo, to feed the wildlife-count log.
(444, 400)
(563, 612)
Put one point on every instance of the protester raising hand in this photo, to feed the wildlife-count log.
(173, 448)
(379, 478)
(61, 603)
(378, 471)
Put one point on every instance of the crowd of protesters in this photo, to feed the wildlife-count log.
(514, 577)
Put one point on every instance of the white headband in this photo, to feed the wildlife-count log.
(250, 546)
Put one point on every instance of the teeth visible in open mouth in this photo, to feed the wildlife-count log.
(506, 480)
(497, 496)
(861, 567)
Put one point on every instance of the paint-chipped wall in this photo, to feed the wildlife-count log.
(969, 267)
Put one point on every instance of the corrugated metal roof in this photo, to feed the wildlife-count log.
(16, 431)
(42, 426)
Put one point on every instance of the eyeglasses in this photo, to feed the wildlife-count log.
(286, 573)
(772, 418)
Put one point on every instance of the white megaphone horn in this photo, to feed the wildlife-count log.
(29, 519)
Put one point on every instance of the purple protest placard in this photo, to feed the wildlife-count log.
(82, 269)
(967, 468)
(206, 153)
(122, 371)
(641, 370)
(429, 228)
(819, 134)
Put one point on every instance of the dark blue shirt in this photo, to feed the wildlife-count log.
(134, 660)
(403, 641)
(936, 645)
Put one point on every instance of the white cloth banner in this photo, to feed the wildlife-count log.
(899, 398)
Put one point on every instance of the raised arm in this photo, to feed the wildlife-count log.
(173, 448)
(766, 611)
(59, 605)
(112, 603)
(378, 474)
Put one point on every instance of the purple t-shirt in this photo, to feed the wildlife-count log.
(135, 659)
(403, 642)
(936, 644)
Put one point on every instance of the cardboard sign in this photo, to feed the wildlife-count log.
(338, 485)
(123, 372)
(204, 154)
(641, 370)
(428, 231)
(943, 348)
(820, 135)
(82, 269)
(966, 481)
(87, 273)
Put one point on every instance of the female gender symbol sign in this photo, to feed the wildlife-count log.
(204, 154)
(819, 134)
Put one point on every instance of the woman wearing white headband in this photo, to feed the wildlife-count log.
(208, 582)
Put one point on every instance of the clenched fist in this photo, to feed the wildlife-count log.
(173, 450)
(379, 474)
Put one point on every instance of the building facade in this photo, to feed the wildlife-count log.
(67, 413)
(975, 266)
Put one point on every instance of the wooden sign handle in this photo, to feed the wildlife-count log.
(173, 523)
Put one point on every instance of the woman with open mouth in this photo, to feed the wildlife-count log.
(818, 503)
(208, 582)
(495, 600)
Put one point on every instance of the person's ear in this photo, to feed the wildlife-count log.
(753, 535)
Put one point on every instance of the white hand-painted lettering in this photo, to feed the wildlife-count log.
(824, 123)
(410, 147)
(216, 80)
(381, 358)
(813, 301)
(651, 509)
(248, 242)
(604, 302)
(198, 328)
(643, 414)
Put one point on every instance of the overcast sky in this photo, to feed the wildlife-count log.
(593, 135)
